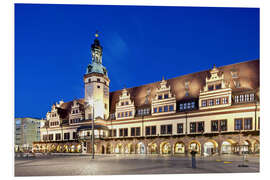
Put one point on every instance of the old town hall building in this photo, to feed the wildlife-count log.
(215, 111)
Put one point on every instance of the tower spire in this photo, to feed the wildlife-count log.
(96, 50)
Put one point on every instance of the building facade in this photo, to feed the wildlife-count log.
(215, 111)
(27, 131)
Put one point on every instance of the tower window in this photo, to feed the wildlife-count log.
(98, 86)
(89, 80)
(98, 80)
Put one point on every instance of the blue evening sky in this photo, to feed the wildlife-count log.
(140, 45)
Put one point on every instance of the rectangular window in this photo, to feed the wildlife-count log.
(214, 125)
(188, 105)
(153, 130)
(118, 115)
(166, 96)
(51, 137)
(126, 102)
(126, 114)
(126, 132)
(181, 107)
(236, 99)
(122, 114)
(122, 103)
(155, 110)
(169, 129)
(203, 103)
(58, 136)
(192, 105)
(210, 87)
(192, 127)
(217, 101)
(246, 97)
(165, 108)
(211, 102)
(223, 125)
(248, 123)
(132, 131)
(224, 100)
(241, 98)
(114, 132)
(238, 124)
(251, 97)
(120, 132)
(180, 128)
(201, 127)
(218, 86)
(66, 136)
(130, 113)
(171, 108)
(147, 130)
(138, 131)
(163, 129)
(160, 109)
(160, 97)
(98, 80)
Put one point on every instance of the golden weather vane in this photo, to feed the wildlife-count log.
(96, 34)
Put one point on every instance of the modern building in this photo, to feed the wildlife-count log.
(213, 111)
(27, 130)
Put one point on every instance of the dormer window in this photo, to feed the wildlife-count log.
(126, 102)
(210, 87)
(218, 86)
(122, 103)
(166, 96)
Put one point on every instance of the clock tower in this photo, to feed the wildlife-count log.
(96, 84)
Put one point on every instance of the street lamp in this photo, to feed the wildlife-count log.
(91, 102)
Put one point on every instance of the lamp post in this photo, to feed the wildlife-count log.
(93, 148)
(91, 102)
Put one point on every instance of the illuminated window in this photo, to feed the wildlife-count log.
(236, 99)
(241, 98)
(217, 101)
(246, 97)
(160, 109)
(211, 102)
(224, 100)
(203, 103)
(251, 97)
(238, 124)
(248, 123)
(155, 110)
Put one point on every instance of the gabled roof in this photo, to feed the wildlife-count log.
(248, 73)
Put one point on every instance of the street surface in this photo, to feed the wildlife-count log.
(68, 165)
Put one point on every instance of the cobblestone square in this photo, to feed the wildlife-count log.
(65, 165)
